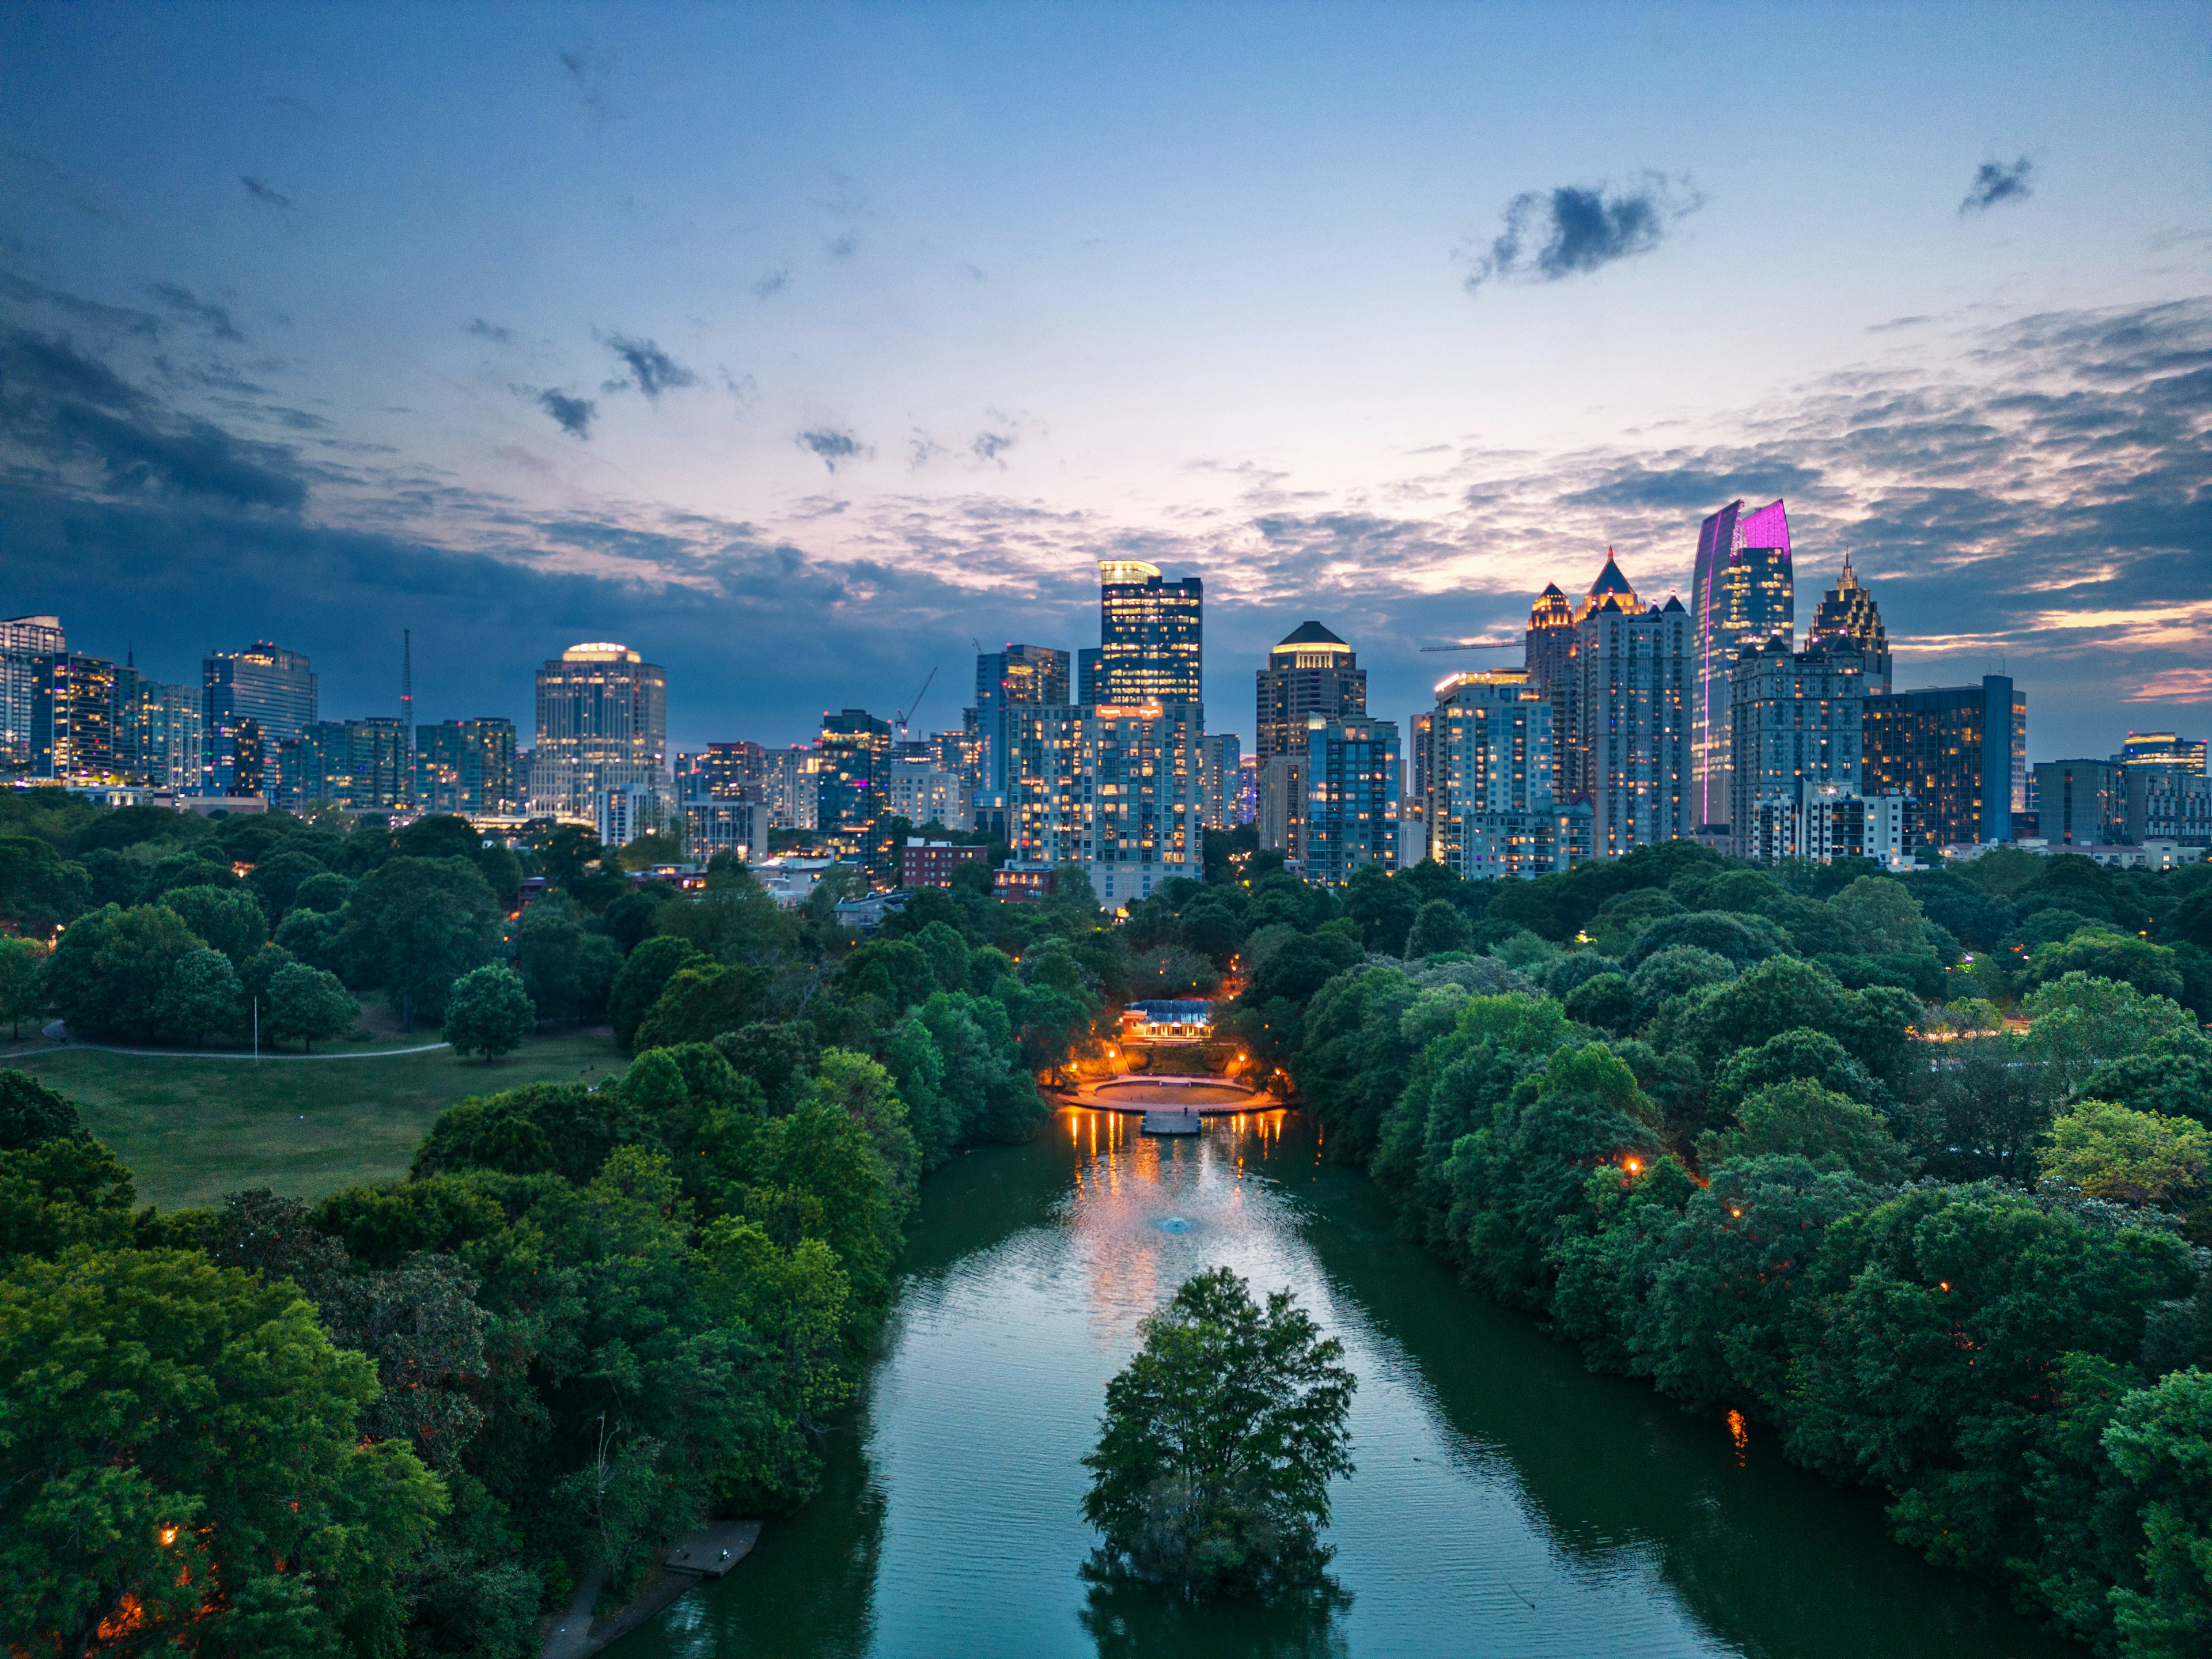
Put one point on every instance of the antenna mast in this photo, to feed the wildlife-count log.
(407, 711)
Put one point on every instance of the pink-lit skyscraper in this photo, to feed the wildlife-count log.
(1740, 595)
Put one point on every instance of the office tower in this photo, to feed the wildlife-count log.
(1221, 769)
(855, 754)
(724, 824)
(265, 687)
(24, 641)
(1019, 675)
(1491, 812)
(1796, 718)
(1550, 660)
(1113, 787)
(788, 776)
(1312, 672)
(2166, 803)
(921, 792)
(1848, 620)
(2080, 803)
(1823, 823)
(1351, 797)
(358, 764)
(1281, 817)
(1739, 595)
(727, 771)
(1248, 789)
(1951, 748)
(1633, 685)
(2162, 749)
(157, 733)
(602, 724)
(73, 719)
(1421, 752)
(1087, 674)
(1149, 636)
(467, 767)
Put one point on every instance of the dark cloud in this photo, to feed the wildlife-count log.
(655, 371)
(844, 246)
(591, 72)
(834, 447)
(215, 319)
(492, 331)
(773, 283)
(102, 319)
(1998, 181)
(266, 194)
(574, 414)
(1552, 234)
(79, 196)
(990, 447)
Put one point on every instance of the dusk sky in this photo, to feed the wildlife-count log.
(801, 347)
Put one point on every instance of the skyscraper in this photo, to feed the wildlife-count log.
(1740, 594)
(1311, 673)
(1550, 660)
(855, 750)
(1352, 797)
(1150, 635)
(1951, 749)
(251, 702)
(466, 768)
(1112, 787)
(1634, 684)
(2162, 749)
(602, 724)
(1491, 810)
(1019, 674)
(73, 718)
(1848, 620)
(2080, 803)
(1220, 770)
(23, 641)
(1797, 723)
(358, 764)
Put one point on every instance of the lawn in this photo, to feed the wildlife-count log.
(193, 1129)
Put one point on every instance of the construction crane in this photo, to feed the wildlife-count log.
(1479, 645)
(900, 719)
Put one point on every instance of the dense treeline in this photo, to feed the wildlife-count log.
(1767, 1137)
(408, 1419)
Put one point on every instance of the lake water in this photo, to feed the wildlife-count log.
(1506, 1501)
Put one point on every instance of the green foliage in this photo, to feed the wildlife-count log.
(566, 971)
(107, 973)
(39, 890)
(2079, 1022)
(1831, 1130)
(182, 1461)
(1786, 1057)
(1211, 1471)
(63, 1192)
(698, 1004)
(414, 926)
(30, 1112)
(229, 918)
(1439, 926)
(2173, 1079)
(2159, 1444)
(22, 981)
(202, 996)
(2131, 1157)
(1606, 1002)
(2150, 969)
(1744, 940)
(644, 975)
(488, 1012)
(306, 1004)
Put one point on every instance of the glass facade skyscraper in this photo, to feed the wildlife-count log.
(1740, 595)
(602, 724)
(23, 641)
(1951, 748)
(252, 701)
(1150, 635)
(1311, 673)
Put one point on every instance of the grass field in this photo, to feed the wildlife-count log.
(193, 1129)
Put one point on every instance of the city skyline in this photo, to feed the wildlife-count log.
(871, 364)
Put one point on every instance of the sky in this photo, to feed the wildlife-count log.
(804, 349)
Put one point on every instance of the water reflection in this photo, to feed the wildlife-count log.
(1506, 1501)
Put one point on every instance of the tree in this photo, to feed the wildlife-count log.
(39, 888)
(1799, 1116)
(2160, 1442)
(202, 996)
(229, 918)
(565, 970)
(2174, 1081)
(1220, 1436)
(307, 1003)
(2080, 1021)
(108, 971)
(23, 986)
(1880, 917)
(31, 1113)
(1439, 926)
(182, 1464)
(487, 1012)
(2133, 1157)
(2149, 968)
(650, 966)
(276, 880)
(416, 926)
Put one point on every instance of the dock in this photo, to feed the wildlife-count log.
(708, 1553)
(1182, 1122)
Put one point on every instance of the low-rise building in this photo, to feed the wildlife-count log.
(931, 863)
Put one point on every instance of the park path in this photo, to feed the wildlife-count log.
(64, 1042)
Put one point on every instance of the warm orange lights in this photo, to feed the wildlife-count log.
(1632, 1166)
(1943, 1284)
(1736, 1212)
(168, 1536)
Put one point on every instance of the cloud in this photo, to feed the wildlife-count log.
(833, 447)
(573, 414)
(1549, 235)
(1998, 181)
(266, 194)
(656, 372)
(990, 447)
(213, 317)
(743, 390)
(591, 72)
(84, 200)
(844, 246)
(773, 282)
(492, 331)
(101, 318)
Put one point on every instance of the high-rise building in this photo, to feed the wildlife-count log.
(251, 702)
(2166, 803)
(2080, 803)
(1351, 797)
(1019, 675)
(1248, 789)
(157, 732)
(73, 719)
(2162, 749)
(921, 792)
(1550, 660)
(24, 642)
(1634, 680)
(1798, 721)
(1150, 636)
(1220, 769)
(1491, 810)
(467, 767)
(851, 809)
(1740, 595)
(1421, 756)
(790, 777)
(1312, 672)
(1825, 822)
(602, 724)
(1112, 787)
(725, 771)
(723, 825)
(1281, 819)
(1848, 620)
(358, 764)
(1951, 748)
(1086, 673)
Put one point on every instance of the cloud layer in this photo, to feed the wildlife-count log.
(1573, 229)
(1998, 181)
